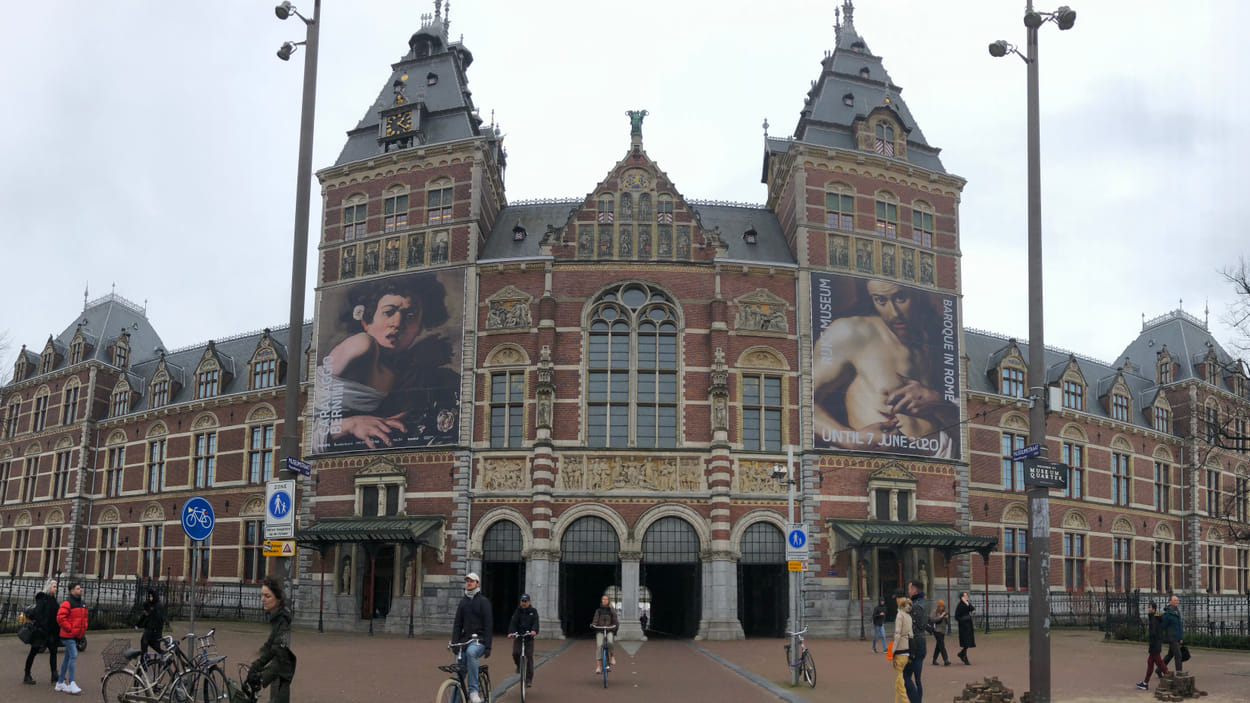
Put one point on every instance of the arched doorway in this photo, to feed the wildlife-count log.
(590, 563)
(672, 572)
(763, 595)
(503, 570)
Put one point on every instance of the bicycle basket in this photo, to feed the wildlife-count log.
(114, 654)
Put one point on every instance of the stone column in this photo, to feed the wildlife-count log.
(631, 628)
(542, 582)
(719, 620)
(542, 573)
(720, 599)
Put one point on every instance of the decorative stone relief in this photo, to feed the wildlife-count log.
(756, 477)
(1122, 526)
(153, 512)
(1075, 520)
(718, 392)
(602, 473)
(253, 506)
(263, 412)
(56, 517)
(23, 520)
(545, 389)
(204, 421)
(509, 308)
(380, 467)
(109, 517)
(502, 475)
(761, 311)
(506, 355)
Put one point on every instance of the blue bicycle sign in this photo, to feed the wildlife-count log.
(197, 518)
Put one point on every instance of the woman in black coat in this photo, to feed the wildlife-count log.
(967, 635)
(47, 632)
(153, 623)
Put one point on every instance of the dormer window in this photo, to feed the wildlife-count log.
(431, 79)
(750, 236)
(75, 350)
(1162, 419)
(207, 383)
(1165, 370)
(518, 233)
(120, 402)
(1120, 407)
(160, 393)
(264, 370)
(1012, 380)
(1073, 395)
(848, 100)
(884, 143)
(48, 360)
(863, 72)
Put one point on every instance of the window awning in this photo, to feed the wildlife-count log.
(406, 530)
(948, 539)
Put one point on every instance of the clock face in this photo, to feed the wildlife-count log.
(636, 180)
(398, 123)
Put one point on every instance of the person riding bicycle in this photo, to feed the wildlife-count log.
(275, 667)
(474, 618)
(605, 625)
(524, 621)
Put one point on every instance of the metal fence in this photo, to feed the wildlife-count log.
(1209, 617)
(117, 603)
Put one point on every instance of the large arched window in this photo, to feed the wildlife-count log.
(632, 371)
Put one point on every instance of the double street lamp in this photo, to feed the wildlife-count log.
(290, 447)
(1039, 502)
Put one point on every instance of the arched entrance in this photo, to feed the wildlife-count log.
(590, 563)
(503, 570)
(763, 593)
(672, 572)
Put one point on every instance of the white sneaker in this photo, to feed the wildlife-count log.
(475, 697)
(73, 688)
(60, 686)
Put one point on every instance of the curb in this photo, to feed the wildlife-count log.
(771, 687)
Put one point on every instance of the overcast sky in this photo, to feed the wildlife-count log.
(152, 146)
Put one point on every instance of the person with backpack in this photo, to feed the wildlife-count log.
(72, 619)
(46, 633)
(879, 615)
(152, 620)
(275, 665)
(919, 645)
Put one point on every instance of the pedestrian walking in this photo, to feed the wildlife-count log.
(524, 621)
(1154, 629)
(902, 644)
(879, 615)
(1174, 632)
(474, 618)
(967, 631)
(47, 632)
(919, 649)
(152, 620)
(605, 616)
(940, 621)
(71, 617)
(275, 667)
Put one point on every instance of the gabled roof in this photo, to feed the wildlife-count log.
(1187, 339)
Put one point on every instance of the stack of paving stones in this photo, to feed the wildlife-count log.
(991, 690)
(1177, 686)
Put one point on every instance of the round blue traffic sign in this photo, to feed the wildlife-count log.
(797, 539)
(279, 504)
(197, 518)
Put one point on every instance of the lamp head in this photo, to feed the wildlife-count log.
(1065, 17)
(285, 52)
(284, 10)
(1033, 20)
(999, 48)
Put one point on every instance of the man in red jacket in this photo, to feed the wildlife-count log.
(72, 619)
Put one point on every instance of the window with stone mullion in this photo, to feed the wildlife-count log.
(507, 390)
(657, 382)
(608, 380)
(761, 412)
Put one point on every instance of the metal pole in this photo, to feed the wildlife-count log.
(1039, 496)
(192, 626)
(321, 604)
(794, 580)
(299, 266)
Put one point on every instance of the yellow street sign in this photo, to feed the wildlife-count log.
(279, 547)
(797, 565)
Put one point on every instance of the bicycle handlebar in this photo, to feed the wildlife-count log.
(603, 627)
(471, 640)
(800, 632)
(521, 634)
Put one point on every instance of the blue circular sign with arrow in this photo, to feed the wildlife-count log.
(197, 518)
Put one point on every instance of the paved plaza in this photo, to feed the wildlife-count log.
(355, 668)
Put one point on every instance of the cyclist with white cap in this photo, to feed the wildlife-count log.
(474, 620)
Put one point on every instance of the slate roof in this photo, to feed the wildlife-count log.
(827, 120)
(102, 322)
(449, 114)
(1188, 341)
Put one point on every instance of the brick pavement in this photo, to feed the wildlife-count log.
(355, 668)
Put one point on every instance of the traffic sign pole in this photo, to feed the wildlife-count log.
(197, 522)
(794, 575)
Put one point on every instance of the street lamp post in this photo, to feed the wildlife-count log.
(299, 256)
(1039, 496)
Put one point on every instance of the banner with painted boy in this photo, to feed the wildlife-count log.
(388, 363)
(885, 367)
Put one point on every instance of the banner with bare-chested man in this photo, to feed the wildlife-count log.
(885, 367)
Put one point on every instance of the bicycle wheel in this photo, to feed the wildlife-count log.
(122, 687)
(483, 686)
(218, 677)
(808, 668)
(603, 663)
(449, 692)
(192, 687)
(521, 673)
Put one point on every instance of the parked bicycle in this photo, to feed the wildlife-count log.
(527, 653)
(171, 675)
(604, 654)
(454, 689)
(805, 663)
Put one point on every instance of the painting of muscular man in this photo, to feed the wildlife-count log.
(885, 371)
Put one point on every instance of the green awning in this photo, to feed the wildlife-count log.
(406, 530)
(863, 533)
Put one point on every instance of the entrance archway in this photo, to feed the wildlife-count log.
(672, 572)
(590, 563)
(763, 593)
(503, 570)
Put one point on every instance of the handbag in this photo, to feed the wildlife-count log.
(82, 644)
(26, 633)
(1184, 653)
(889, 651)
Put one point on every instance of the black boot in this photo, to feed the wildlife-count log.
(26, 679)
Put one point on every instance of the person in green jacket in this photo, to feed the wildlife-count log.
(275, 667)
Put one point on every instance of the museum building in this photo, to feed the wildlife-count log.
(595, 395)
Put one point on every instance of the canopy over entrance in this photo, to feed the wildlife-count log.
(404, 530)
(945, 538)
